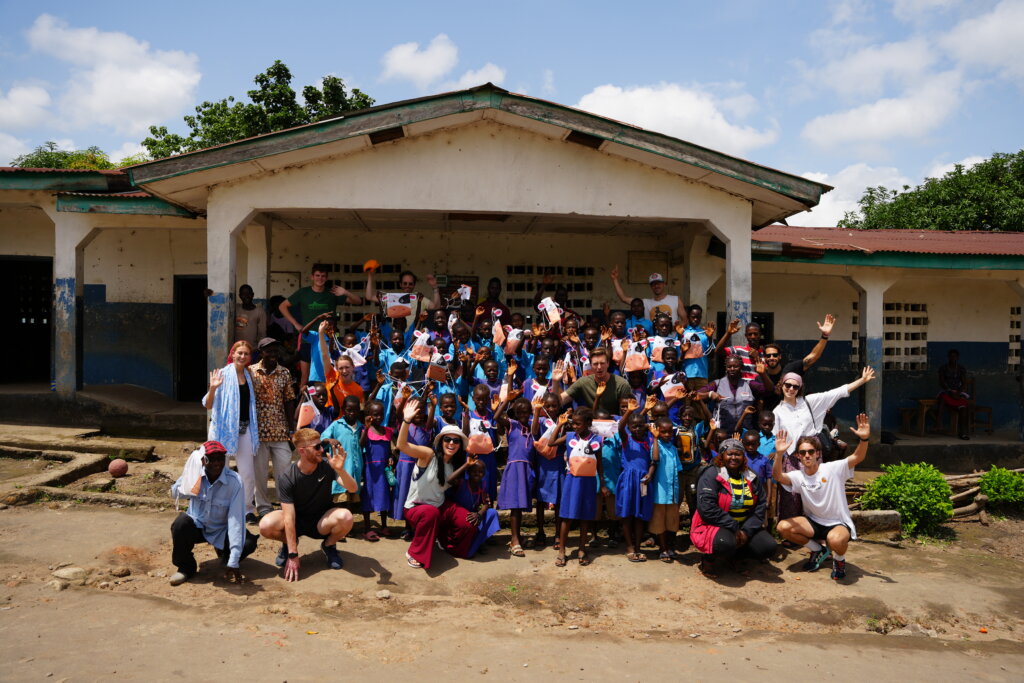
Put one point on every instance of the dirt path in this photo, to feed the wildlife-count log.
(612, 620)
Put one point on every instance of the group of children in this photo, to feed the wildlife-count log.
(625, 473)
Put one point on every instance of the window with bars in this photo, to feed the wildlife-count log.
(351, 277)
(855, 360)
(521, 281)
(1014, 358)
(905, 336)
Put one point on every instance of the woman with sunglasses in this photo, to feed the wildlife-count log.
(826, 526)
(731, 505)
(430, 514)
(798, 415)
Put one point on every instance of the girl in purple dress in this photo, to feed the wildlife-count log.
(517, 481)
(376, 442)
(579, 488)
(634, 502)
(550, 467)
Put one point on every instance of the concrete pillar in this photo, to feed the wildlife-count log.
(224, 221)
(737, 271)
(72, 234)
(257, 243)
(702, 271)
(871, 290)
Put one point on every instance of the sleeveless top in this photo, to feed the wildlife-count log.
(423, 487)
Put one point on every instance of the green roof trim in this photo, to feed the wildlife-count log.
(137, 206)
(895, 259)
(56, 180)
(363, 122)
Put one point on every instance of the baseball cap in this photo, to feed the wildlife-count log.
(211, 447)
(265, 342)
(655, 277)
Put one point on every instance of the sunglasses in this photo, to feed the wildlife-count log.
(806, 451)
(790, 385)
(451, 439)
(771, 355)
(316, 446)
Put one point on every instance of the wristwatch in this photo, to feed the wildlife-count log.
(292, 556)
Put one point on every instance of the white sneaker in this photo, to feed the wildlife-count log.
(179, 578)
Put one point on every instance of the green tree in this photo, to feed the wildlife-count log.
(988, 196)
(47, 155)
(273, 106)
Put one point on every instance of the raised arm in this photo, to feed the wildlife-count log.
(285, 309)
(325, 355)
(781, 446)
(618, 286)
(435, 294)
(423, 454)
(371, 288)
(826, 329)
(866, 375)
(732, 328)
(863, 431)
(337, 462)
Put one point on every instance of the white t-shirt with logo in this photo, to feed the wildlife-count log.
(669, 305)
(824, 493)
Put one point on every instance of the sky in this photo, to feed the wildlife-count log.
(851, 93)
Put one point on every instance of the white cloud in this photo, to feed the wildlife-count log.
(548, 85)
(488, 73)
(849, 185)
(423, 67)
(11, 147)
(991, 40)
(867, 71)
(916, 10)
(24, 106)
(689, 113)
(117, 80)
(128, 149)
(914, 114)
(939, 170)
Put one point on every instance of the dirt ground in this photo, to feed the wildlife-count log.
(949, 609)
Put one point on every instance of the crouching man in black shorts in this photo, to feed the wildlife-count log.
(823, 489)
(306, 505)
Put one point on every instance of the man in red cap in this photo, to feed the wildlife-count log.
(215, 514)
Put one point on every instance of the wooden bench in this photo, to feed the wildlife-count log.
(918, 414)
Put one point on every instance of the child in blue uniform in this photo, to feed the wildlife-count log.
(579, 488)
(633, 500)
(517, 481)
(550, 467)
(665, 515)
(376, 442)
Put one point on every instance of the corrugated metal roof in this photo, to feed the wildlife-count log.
(108, 195)
(19, 169)
(906, 241)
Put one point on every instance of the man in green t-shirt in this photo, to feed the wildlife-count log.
(599, 390)
(309, 302)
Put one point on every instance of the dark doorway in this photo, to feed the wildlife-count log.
(27, 322)
(190, 313)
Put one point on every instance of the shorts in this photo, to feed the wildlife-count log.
(306, 526)
(821, 531)
(346, 499)
(664, 518)
(606, 507)
(304, 352)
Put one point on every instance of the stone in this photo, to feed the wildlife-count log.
(71, 574)
(277, 609)
(58, 585)
(737, 630)
(573, 627)
(384, 595)
(695, 635)
(915, 629)
(103, 585)
(99, 484)
(120, 572)
(331, 604)
(876, 520)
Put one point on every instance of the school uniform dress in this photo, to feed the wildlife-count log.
(665, 516)
(579, 488)
(403, 471)
(376, 495)
(636, 459)
(484, 427)
(549, 471)
(517, 481)
(348, 436)
(471, 500)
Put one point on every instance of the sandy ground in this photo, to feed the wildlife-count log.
(505, 617)
(496, 616)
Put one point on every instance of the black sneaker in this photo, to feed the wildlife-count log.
(331, 553)
(282, 556)
(838, 569)
(252, 518)
(816, 559)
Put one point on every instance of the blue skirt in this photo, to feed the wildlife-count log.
(579, 498)
(487, 527)
(549, 479)
(490, 461)
(403, 478)
(376, 495)
(628, 501)
(517, 482)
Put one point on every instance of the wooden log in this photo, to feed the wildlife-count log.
(964, 494)
(978, 505)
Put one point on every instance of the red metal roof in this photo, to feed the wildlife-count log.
(906, 241)
(19, 169)
(108, 195)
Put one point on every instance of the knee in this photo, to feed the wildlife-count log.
(838, 539)
(725, 543)
(341, 520)
(272, 524)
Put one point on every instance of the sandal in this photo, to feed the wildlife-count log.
(413, 563)
(666, 556)
(560, 561)
(636, 557)
(557, 545)
(583, 558)
(516, 550)
(384, 532)
(371, 536)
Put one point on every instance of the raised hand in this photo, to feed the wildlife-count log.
(406, 393)
(431, 280)
(323, 327)
(337, 457)
(734, 326)
(782, 442)
(536, 330)
(862, 430)
(606, 333)
(380, 377)
(512, 367)
(680, 327)
(480, 310)
(826, 327)
(513, 395)
(650, 403)
(563, 418)
(410, 409)
(867, 374)
(760, 367)
(423, 316)
(709, 329)
(483, 353)
(684, 346)
(216, 379)
(631, 404)
(606, 309)
(615, 273)
(559, 372)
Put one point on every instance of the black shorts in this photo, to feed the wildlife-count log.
(306, 526)
(821, 531)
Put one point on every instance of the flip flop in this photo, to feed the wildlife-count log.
(515, 550)
(371, 536)
(560, 561)
(635, 557)
(413, 563)
(583, 558)
(666, 557)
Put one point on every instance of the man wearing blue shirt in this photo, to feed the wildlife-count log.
(216, 515)
(695, 359)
